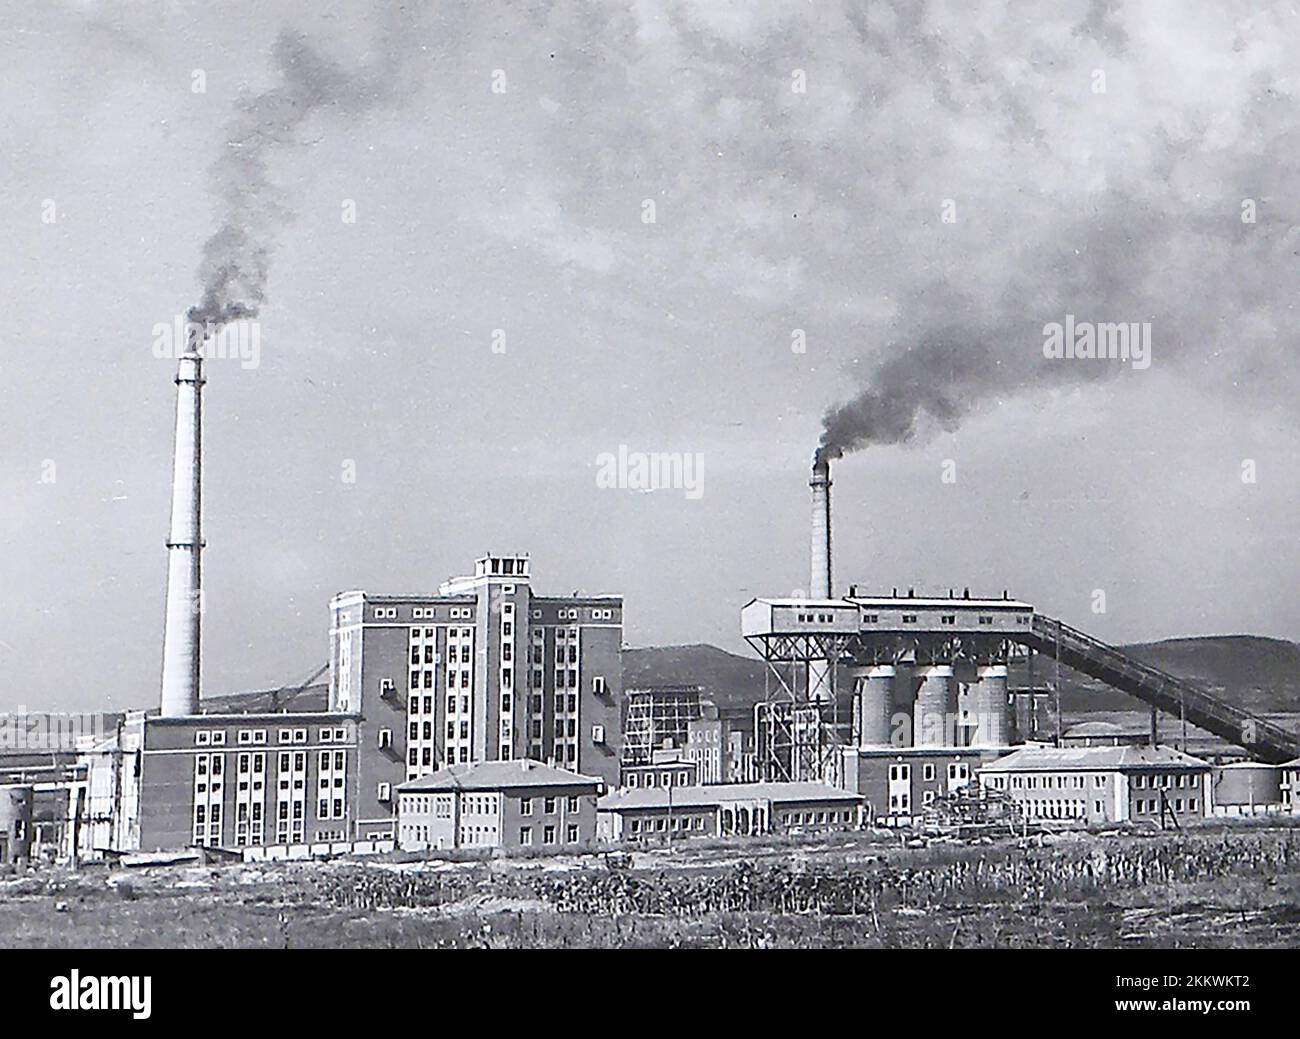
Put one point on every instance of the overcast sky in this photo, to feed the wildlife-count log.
(775, 210)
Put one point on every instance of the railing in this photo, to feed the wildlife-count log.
(1205, 709)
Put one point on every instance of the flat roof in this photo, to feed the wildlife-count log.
(882, 601)
(708, 796)
(497, 775)
(284, 716)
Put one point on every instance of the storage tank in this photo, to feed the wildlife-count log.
(1247, 784)
(935, 711)
(15, 823)
(874, 688)
(992, 710)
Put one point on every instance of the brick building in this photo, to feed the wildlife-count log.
(224, 780)
(483, 671)
(1095, 785)
(497, 804)
(742, 808)
(900, 783)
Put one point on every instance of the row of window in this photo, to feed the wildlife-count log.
(1075, 808)
(1178, 804)
(549, 805)
(548, 835)
(818, 818)
(664, 778)
(1181, 781)
(957, 771)
(697, 823)
(258, 738)
(431, 634)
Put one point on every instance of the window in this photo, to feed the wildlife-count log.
(571, 835)
(548, 806)
(385, 738)
(598, 685)
(525, 835)
(573, 804)
(548, 835)
(525, 806)
(927, 772)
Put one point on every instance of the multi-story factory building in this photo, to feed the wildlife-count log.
(483, 671)
(222, 780)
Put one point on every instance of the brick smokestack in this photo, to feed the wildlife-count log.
(820, 583)
(181, 638)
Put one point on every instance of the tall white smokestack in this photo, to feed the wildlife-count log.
(819, 672)
(181, 656)
(820, 583)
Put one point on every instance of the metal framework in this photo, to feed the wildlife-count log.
(799, 738)
(656, 714)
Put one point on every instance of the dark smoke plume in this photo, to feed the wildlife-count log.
(934, 382)
(252, 211)
(951, 356)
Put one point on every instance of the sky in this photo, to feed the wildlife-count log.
(506, 240)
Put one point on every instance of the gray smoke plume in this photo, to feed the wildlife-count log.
(252, 211)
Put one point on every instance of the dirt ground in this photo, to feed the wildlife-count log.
(1217, 887)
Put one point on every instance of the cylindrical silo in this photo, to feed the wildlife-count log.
(15, 823)
(935, 711)
(992, 711)
(874, 688)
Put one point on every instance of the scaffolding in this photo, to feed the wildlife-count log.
(656, 714)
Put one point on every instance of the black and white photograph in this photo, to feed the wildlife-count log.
(651, 475)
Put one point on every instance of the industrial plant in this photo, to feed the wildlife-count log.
(484, 714)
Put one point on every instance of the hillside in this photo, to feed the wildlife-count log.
(1261, 674)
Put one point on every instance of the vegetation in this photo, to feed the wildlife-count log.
(1225, 887)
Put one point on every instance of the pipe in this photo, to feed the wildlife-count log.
(183, 627)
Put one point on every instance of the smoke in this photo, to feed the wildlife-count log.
(252, 210)
(1119, 207)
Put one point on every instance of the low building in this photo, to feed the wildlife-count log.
(1098, 785)
(497, 804)
(720, 810)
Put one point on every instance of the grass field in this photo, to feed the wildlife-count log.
(1214, 888)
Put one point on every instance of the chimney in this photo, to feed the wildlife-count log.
(821, 584)
(180, 671)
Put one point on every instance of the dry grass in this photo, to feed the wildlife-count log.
(1209, 889)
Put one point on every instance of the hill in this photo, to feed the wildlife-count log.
(1261, 674)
